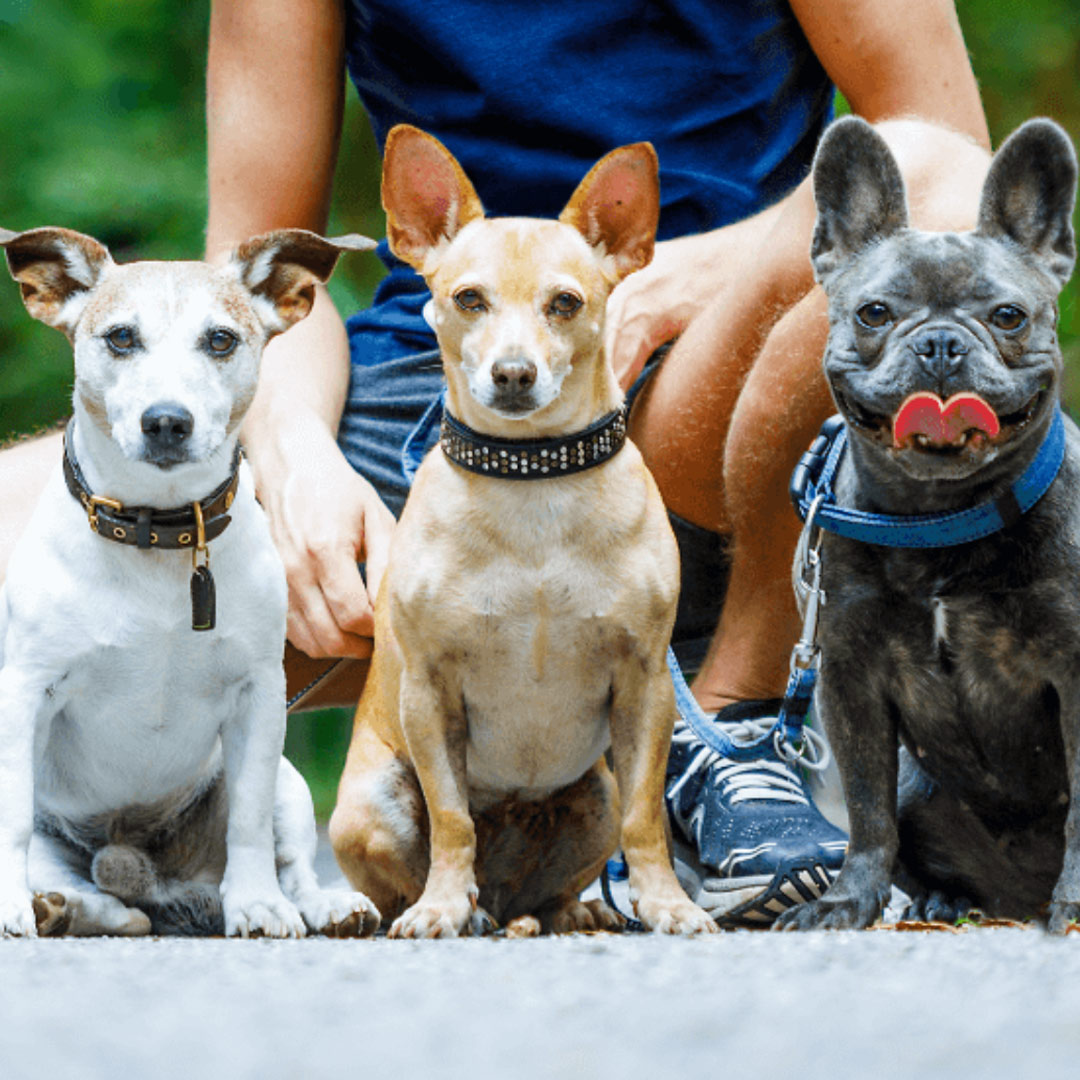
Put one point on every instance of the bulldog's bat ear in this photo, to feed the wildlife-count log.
(56, 270)
(859, 194)
(617, 207)
(427, 197)
(280, 269)
(1029, 194)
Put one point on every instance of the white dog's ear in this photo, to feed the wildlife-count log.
(280, 269)
(56, 269)
(425, 193)
(617, 207)
(1029, 193)
(859, 194)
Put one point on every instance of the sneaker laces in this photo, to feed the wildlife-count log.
(746, 780)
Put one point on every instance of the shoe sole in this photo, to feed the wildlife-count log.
(750, 902)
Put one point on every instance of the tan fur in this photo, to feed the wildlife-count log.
(521, 628)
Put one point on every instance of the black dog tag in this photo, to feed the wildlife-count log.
(202, 599)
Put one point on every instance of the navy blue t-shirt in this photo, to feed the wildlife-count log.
(529, 94)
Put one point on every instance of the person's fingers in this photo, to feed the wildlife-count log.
(343, 589)
(377, 534)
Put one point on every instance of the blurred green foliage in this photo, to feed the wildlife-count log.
(101, 129)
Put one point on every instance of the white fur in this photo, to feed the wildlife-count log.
(108, 698)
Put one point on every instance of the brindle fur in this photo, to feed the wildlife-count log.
(950, 681)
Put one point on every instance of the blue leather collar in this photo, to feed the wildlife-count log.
(816, 471)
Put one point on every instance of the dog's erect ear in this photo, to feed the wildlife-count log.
(425, 193)
(280, 270)
(55, 269)
(617, 207)
(1029, 193)
(859, 194)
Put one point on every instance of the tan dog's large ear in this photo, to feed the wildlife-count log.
(617, 207)
(55, 269)
(280, 269)
(425, 193)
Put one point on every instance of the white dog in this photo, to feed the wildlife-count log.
(142, 786)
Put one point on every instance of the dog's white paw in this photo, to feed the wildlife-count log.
(339, 913)
(17, 914)
(262, 915)
(674, 915)
(435, 918)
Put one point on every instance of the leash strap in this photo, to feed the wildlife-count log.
(816, 472)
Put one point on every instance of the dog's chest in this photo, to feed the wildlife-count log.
(970, 677)
(532, 624)
(139, 702)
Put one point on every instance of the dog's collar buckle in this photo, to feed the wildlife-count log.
(92, 502)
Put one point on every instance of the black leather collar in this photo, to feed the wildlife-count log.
(533, 459)
(145, 526)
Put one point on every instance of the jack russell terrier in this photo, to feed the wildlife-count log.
(142, 700)
(522, 624)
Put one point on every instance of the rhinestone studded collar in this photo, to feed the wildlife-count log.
(533, 459)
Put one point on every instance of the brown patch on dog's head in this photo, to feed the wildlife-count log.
(56, 269)
(281, 269)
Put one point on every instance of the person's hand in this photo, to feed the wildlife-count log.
(324, 519)
(654, 305)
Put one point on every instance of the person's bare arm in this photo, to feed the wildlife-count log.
(889, 60)
(275, 84)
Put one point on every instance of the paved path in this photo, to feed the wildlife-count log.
(986, 1004)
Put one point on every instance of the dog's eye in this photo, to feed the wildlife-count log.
(1008, 317)
(874, 315)
(221, 342)
(121, 339)
(470, 300)
(564, 304)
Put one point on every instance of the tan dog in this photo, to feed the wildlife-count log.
(521, 626)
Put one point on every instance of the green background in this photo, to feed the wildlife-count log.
(101, 129)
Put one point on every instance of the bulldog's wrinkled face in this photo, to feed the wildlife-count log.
(942, 353)
(167, 353)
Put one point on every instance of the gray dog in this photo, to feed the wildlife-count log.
(951, 672)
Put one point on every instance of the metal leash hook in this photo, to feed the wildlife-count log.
(792, 741)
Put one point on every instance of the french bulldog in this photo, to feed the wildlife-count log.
(950, 677)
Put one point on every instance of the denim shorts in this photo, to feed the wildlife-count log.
(392, 413)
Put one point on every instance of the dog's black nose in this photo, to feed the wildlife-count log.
(517, 374)
(941, 351)
(167, 425)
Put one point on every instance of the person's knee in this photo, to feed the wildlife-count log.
(943, 172)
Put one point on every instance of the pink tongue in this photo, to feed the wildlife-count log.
(943, 423)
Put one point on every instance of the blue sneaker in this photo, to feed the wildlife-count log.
(749, 841)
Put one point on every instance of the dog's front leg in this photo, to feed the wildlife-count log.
(433, 720)
(642, 718)
(863, 736)
(252, 739)
(1065, 900)
(21, 697)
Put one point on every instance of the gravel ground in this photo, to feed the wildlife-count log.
(984, 1003)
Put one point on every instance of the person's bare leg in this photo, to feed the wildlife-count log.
(24, 468)
(741, 395)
